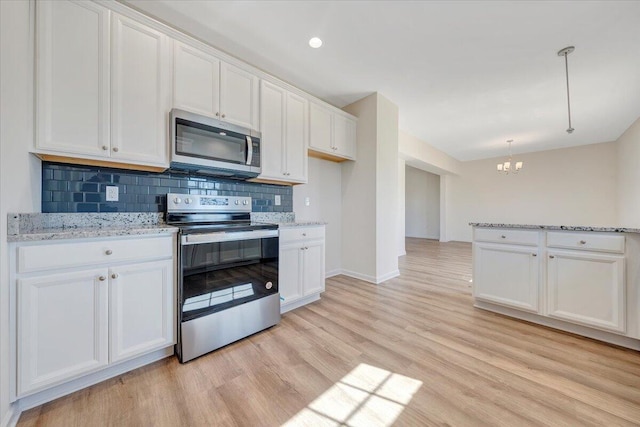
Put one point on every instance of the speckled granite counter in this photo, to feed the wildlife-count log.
(282, 219)
(556, 227)
(56, 226)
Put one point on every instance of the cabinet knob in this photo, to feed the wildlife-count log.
(217, 114)
(114, 276)
(115, 149)
(534, 254)
(305, 248)
(582, 242)
(102, 278)
(503, 236)
(223, 116)
(551, 256)
(304, 234)
(108, 252)
(105, 148)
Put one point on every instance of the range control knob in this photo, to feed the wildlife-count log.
(269, 285)
(244, 202)
(237, 202)
(177, 200)
(187, 200)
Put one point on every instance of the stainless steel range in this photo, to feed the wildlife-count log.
(227, 272)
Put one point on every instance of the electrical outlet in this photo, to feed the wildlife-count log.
(278, 201)
(307, 201)
(112, 193)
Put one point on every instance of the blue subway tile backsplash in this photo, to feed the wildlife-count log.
(72, 188)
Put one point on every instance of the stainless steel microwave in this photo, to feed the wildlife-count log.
(209, 146)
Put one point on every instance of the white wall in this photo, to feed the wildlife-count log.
(19, 171)
(401, 208)
(421, 155)
(422, 200)
(629, 177)
(572, 186)
(324, 191)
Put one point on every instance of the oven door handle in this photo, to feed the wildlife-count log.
(222, 236)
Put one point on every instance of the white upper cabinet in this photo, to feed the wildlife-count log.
(238, 96)
(140, 86)
(72, 73)
(196, 80)
(332, 135)
(102, 84)
(205, 85)
(284, 121)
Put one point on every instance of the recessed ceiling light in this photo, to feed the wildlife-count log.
(315, 42)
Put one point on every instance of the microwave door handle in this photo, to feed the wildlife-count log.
(249, 149)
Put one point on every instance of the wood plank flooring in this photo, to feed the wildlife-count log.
(411, 351)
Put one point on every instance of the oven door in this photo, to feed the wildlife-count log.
(222, 270)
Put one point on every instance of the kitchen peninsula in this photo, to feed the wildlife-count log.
(584, 280)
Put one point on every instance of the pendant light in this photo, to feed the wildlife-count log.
(565, 52)
(505, 167)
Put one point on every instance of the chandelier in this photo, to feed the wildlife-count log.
(505, 167)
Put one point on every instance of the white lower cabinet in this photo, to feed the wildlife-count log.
(507, 275)
(586, 288)
(73, 320)
(301, 266)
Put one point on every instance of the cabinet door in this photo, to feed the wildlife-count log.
(290, 273)
(296, 135)
(141, 317)
(272, 125)
(238, 96)
(344, 136)
(587, 288)
(320, 129)
(506, 275)
(62, 327)
(72, 77)
(313, 268)
(196, 81)
(141, 89)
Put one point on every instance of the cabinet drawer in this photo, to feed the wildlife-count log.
(501, 235)
(75, 254)
(301, 233)
(586, 242)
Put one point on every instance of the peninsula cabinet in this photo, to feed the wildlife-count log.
(102, 86)
(332, 134)
(582, 282)
(83, 305)
(284, 123)
(206, 85)
(301, 271)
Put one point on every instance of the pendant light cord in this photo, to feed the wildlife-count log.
(566, 68)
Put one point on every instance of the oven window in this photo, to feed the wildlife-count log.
(220, 275)
(197, 140)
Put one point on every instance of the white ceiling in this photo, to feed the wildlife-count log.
(466, 75)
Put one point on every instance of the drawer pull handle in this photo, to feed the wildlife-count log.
(551, 256)
(108, 252)
(503, 236)
(102, 278)
(114, 276)
(582, 242)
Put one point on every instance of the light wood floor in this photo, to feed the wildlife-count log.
(411, 351)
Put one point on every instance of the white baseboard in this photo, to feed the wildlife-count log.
(58, 391)
(12, 416)
(371, 279)
(299, 303)
(332, 273)
(403, 253)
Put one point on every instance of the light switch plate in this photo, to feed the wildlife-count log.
(307, 201)
(112, 193)
(278, 201)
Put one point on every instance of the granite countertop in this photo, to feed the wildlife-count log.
(57, 226)
(557, 227)
(282, 219)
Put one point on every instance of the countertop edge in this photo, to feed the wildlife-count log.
(45, 235)
(557, 227)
